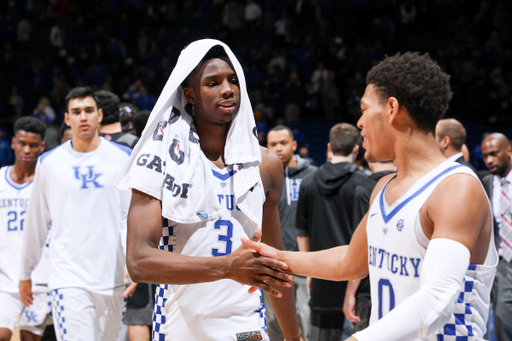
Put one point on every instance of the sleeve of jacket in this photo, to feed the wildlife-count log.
(302, 217)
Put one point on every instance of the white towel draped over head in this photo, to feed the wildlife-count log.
(167, 163)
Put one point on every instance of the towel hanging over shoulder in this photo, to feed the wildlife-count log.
(167, 164)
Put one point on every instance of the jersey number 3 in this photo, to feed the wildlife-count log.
(225, 236)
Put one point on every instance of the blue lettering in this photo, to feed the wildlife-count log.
(9, 202)
(393, 269)
(220, 196)
(403, 268)
(228, 199)
(415, 265)
(382, 252)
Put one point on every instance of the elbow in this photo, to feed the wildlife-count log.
(134, 267)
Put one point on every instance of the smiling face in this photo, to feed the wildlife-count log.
(214, 92)
(374, 128)
(27, 147)
(83, 117)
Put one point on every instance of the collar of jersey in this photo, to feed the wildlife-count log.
(388, 217)
(12, 183)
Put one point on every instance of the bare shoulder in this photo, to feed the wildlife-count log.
(271, 169)
(458, 209)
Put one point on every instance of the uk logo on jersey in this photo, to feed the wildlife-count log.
(295, 188)
(90, 177)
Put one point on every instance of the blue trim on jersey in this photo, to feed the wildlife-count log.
(14, 185)
(223, 177)
(45, 154)
(388, 217)
(124, 148)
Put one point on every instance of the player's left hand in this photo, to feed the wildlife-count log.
(261, 248)
(26, 295)
(130, 289)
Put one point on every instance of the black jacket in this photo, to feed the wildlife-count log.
(325, 214)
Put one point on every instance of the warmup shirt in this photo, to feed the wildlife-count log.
(220, 310)
(14, 200)
(73, 192)
(397, 247)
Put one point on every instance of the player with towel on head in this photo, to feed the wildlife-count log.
(200, 181)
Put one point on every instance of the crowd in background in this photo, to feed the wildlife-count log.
(302, 58)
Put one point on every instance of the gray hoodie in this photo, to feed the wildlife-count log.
(293, 177)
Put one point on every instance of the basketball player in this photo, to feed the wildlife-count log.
(73, 192)
(427, 238)
(15, 188)
(198, 186)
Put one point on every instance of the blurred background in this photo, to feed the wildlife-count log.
(305, 61)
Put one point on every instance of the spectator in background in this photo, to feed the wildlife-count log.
(280, 140)
(110, 127)
(450, 137)
(325, 219)
(496, 153)
(304, 153)
(252, 18)
(44, 111)
(126, 113)
(65, 132)
(145, 100)
(139, 122)
(6, 154)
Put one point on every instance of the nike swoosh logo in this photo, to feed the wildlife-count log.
(373, 215)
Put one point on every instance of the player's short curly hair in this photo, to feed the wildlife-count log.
(418, 84)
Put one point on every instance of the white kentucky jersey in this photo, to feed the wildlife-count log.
(220, 310)
(397, 247)
(14, 200)
(73, 192)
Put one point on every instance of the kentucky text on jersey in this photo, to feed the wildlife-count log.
(400, 265)
(228, 199)
(156, 165)
(15, 202)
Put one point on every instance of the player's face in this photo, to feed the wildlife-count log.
(214, 92)
(374, 129)
(281, 143)
(83, 117)
(496, 156)
(27, 147)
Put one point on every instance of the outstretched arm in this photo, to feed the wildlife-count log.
(271, 170)
(147, 263)
(340, 263)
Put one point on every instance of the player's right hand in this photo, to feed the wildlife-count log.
(251, 268)
(349, 310)
(26, 295)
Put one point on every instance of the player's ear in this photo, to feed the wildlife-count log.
(66, 118)
(100, 115)
(190, 95)
(392, 108)
(294, 145)
(13, 142)
(43, 144)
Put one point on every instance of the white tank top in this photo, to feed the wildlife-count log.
(397, 247)
(220, 310)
